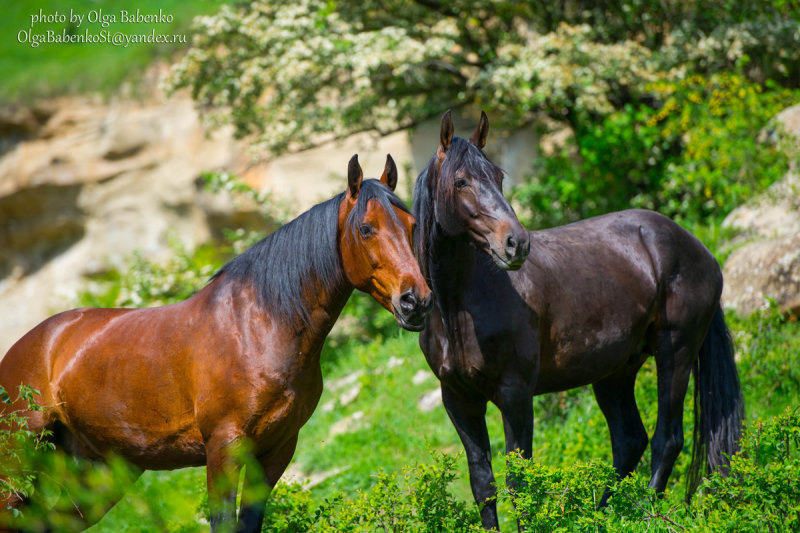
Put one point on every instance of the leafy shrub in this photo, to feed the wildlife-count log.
(419, 500)
(149, 283)
(18, 442)
(695, 158)
(762, 492)
(552, 499)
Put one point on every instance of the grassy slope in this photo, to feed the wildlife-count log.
(58, 68)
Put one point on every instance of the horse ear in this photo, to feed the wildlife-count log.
(446, 133)
(389, 176)
(479, 137)
(354, 176)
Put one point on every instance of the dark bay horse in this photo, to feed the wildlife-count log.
(521, 313)
(181, 385)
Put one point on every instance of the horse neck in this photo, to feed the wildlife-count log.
(450, 263)
(299, 338)
(327, 307)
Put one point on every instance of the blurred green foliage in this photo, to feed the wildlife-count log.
(54, 69)
(417, 499)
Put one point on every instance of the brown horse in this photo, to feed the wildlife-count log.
(181, 385)
(521, 313)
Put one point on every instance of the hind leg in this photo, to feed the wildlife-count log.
(674, 360)
(616, 399)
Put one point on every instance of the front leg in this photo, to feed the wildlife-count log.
(469, 418)
(222, 477)
(260, 478)
(518, 426)
(515, 401)
(516, 405)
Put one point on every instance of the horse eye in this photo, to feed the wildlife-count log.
(461, 183)
(365, 230)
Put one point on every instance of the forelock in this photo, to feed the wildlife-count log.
(372, 189)
(464, 155)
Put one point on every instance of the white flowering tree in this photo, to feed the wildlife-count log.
(293, 73)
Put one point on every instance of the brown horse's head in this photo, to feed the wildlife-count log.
(375, 231)
(466, 192)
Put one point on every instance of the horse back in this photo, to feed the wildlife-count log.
(632, 257)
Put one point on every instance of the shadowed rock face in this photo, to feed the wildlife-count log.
(768, 264)
(36, 224)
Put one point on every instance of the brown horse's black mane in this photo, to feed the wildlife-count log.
(303, 255)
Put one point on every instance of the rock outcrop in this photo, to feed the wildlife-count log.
(767, 266)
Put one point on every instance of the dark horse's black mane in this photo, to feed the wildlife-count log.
(432, 223)
(303, 254)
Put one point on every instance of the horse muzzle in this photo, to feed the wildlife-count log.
(410, 309)
(511, 251)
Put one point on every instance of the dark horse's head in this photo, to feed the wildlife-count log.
(464, 196)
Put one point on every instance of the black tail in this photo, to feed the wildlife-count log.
(718, 404)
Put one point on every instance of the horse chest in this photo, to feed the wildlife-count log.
(473, 361)
(281, 403)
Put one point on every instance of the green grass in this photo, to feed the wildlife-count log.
(57, 68)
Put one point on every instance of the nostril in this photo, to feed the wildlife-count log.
(408, 301)
(511, 246)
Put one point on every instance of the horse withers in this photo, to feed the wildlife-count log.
(521, 313)
(185, 384)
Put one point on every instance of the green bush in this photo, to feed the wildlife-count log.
(695, 158)
(18, 442)
(550, 499)
(761, 492)
(419, 500)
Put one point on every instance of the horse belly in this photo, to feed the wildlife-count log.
(143, 427)
(569, 371)
(576, 361)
